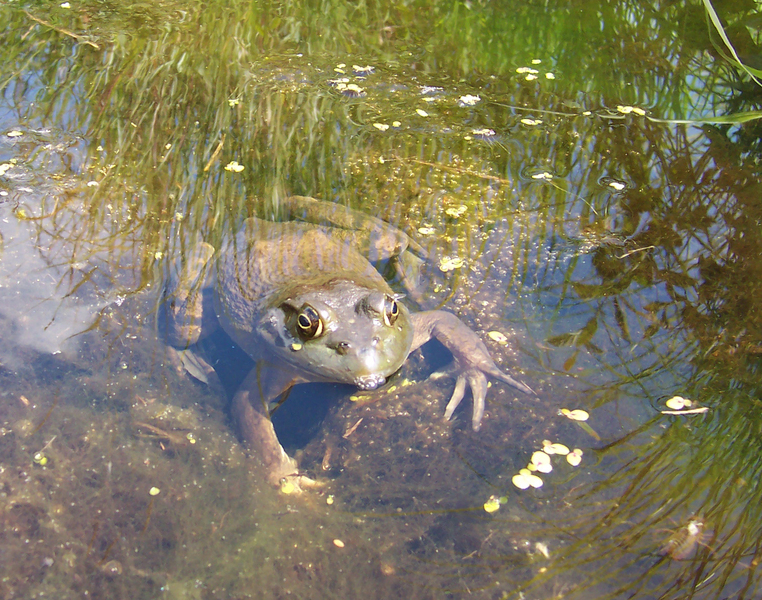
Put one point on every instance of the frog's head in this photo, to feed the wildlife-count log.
(342, 332)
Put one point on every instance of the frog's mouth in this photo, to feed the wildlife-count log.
(369, 382)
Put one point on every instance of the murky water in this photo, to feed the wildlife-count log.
(606, 253)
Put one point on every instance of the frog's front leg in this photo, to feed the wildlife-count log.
(251, 412)
(472, 359)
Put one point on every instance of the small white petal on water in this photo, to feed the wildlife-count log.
(574, 457)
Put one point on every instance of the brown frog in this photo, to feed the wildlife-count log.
(301, 298)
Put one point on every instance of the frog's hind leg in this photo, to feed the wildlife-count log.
(251, 412)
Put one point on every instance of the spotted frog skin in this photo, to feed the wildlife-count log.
(301, 298)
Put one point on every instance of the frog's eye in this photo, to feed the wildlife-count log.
(309, 323)
(391, 311)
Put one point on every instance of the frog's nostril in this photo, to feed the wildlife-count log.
(375, 341)
(343, 347)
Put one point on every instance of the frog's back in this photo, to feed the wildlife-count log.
(267, 262)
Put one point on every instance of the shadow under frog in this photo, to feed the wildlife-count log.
(303, 300)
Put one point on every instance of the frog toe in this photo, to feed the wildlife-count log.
(477, 381)
(457, 396)
(297, 484)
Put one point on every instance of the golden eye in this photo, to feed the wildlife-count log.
(391, 311)
(309, 322)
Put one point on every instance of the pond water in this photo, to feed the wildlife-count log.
(585, 180)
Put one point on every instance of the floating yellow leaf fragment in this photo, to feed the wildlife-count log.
(287, 487)
(468, 100)
(498, 337)
(421, 112)
(617, 185)
(234, 102)
(678, 403)
(329, 499)
(542, 548)
(536, 61)
(396, 124)
(450, 263)
(531, 122)
(520, 481)
(427, 230)
(540, 458)
(234, 167)
(5, 167)
(456, 212)
(92, 183)
(15, 133)
(154, 491)
(158, 255)
(338, 543)
(576, 414)
(381, 126)
(492, 505)
(549, 76)
(525, 478)
(530, 77)
(626, 110)
(550, 448)
(541, 461)
(574, 457)
(522, 70)
(544, 175)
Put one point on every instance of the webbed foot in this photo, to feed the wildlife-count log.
(472, 361)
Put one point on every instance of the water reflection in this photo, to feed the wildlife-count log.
(616, 253)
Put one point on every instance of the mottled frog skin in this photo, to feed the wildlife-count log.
(302, 298)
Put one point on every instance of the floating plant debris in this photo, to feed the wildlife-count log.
(574, 457)
(492, 505)
(683, 542)
(682, 406)
(678, 403)
(450, 263)
(468, 100)
(526, 478)
(576, 414)
(549, 447)
(541, 461)
(363, 71)
(483, 134)
(626, 110)
(498, 337)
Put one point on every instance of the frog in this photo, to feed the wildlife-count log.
(302, 297)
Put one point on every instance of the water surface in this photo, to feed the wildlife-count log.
(564, 166)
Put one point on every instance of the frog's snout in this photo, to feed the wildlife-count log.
(344, 348)
(369, 382)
